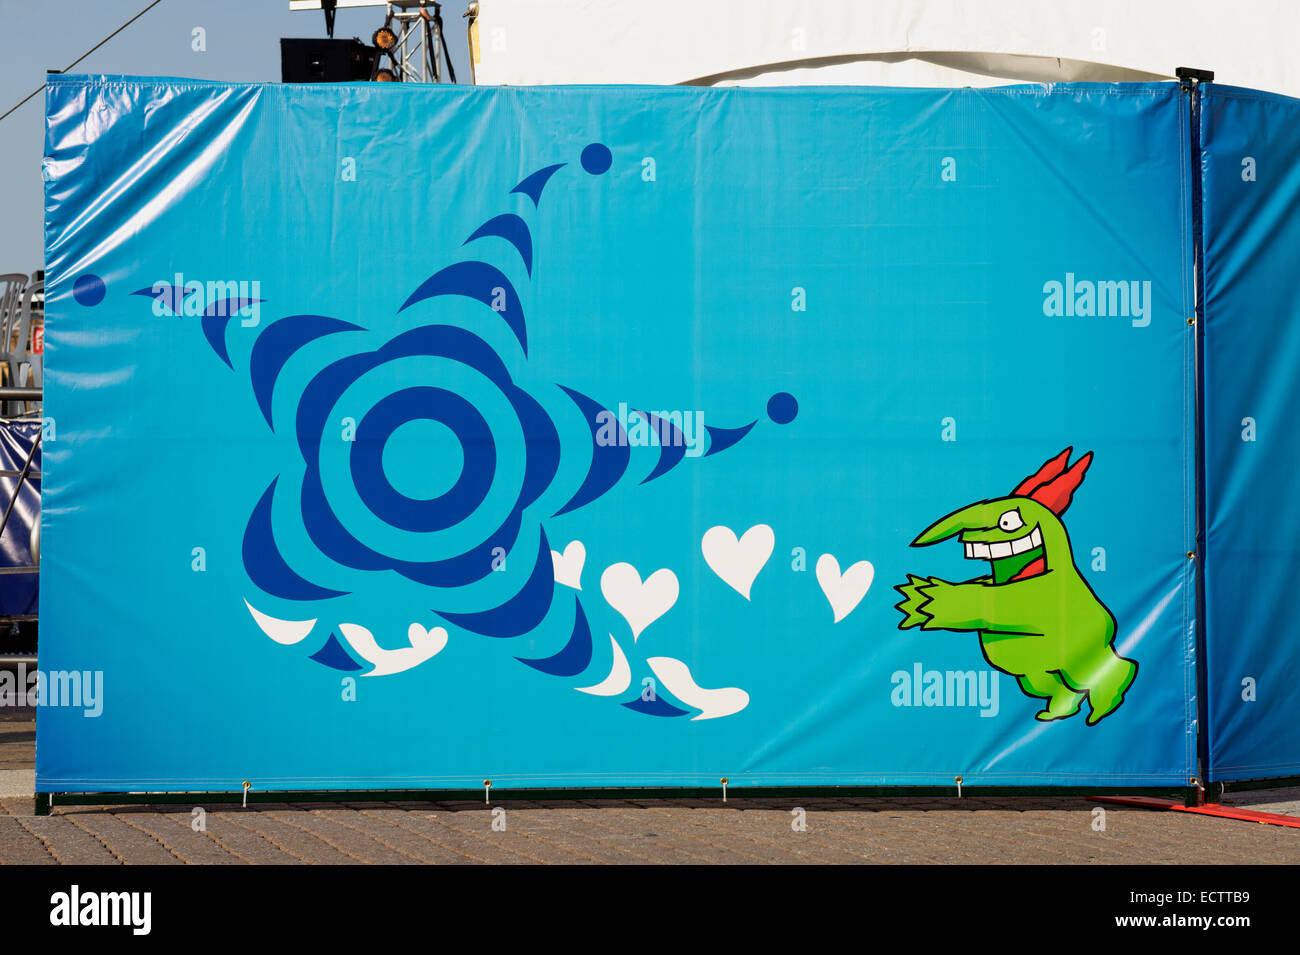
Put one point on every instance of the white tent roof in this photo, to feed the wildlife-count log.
(884, 42)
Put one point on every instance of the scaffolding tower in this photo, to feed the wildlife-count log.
(411, 45)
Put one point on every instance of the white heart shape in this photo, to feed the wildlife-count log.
(568, 566)
(738, 562)
(640, 603)
(844, 591)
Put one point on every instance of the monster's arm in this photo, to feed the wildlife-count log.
(934, 604)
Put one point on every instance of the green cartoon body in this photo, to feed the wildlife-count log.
(1037, 618)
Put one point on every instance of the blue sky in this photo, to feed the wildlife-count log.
(243, 44)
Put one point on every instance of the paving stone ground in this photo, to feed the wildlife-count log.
(1056, 830)
(17, 738)
(745, 830)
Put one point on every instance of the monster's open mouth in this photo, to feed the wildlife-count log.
(1013, 559)
(994, 550)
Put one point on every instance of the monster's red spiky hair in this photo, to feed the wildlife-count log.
(1053, 484)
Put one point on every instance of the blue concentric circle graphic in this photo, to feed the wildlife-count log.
(422, 458)
(445, 510)
(441, 466)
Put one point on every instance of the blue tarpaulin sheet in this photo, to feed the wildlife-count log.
(1250, 161)
(413, 436)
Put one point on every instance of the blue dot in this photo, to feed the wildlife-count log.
(423, 459)
(782, 407)
(88, 290)
(597, 159)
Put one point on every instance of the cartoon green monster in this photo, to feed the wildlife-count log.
(1037, 618)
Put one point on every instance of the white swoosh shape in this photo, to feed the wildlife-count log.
(286, 632)
(676, 675)
(620, 675)
(424, 644)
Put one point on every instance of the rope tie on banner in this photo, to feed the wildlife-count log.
(247, 787)
(487, 790)
(958, 781)
(723, 781)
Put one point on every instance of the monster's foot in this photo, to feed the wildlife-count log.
(1061, 700)
(1107, 691)
(1060, 708)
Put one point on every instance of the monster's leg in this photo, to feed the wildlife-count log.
(1062, 701)
(1105, 675)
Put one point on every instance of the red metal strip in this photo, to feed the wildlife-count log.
(1142, 802)
(1210, 809)
(1246, 815)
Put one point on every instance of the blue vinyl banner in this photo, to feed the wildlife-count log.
(1250, 160)
(413, 436)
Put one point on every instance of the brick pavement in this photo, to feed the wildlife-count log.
(1020, 829)
(745, 830)
(17, 737)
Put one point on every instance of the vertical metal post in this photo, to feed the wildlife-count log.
(471, 36)
(1192, 80)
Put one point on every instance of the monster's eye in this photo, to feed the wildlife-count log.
(1010, 521)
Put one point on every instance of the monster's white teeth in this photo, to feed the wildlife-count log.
(976, 550)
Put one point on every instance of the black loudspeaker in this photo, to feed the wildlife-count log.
(311, 60)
